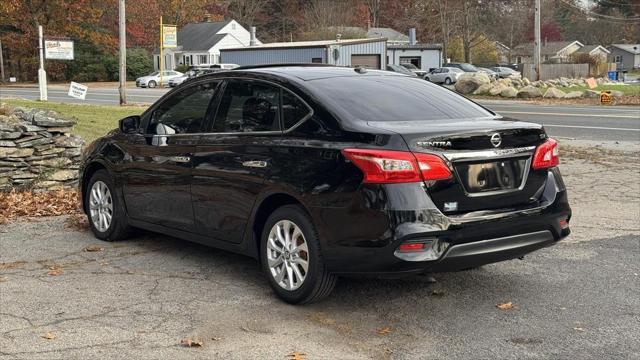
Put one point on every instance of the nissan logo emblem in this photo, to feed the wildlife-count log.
(496, 140)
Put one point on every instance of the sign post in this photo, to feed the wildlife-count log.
(123, 52)
(168, 39)
(42, 75)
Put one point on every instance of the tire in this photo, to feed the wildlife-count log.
(151, 84)
(317, 283)
(117, 228)
(447, 81)
(427, 78)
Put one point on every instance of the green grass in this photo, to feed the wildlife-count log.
(93, 120)
(627, 90)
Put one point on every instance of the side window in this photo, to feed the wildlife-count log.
(184, 112)
(293, 109)
(248, 106)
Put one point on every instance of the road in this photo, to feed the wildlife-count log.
(581, 122)
(137, 299)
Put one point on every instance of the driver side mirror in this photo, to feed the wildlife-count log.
(130, 124)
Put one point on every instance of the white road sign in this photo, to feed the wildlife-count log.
(58, 49)
(78, 91)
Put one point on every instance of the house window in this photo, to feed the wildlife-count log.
(203, 59)
(518, 59)
(316, 60)
(617, 59)
(546, 58)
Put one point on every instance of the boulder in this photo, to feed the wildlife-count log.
(591, 94)
(496, 89)
(574, 95)
(63, 175)
(554, 93)
(483, 89)
(526, 82)
(470, 82)
(529, 92)
(509, 92)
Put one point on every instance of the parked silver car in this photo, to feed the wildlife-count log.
(416, 70)
(446, 75)
(401, 69)
(505, 72)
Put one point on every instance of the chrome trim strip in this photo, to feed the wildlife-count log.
(488, 154)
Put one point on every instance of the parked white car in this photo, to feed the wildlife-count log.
(446, 75)
(153, 79)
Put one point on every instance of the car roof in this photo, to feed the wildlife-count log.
(308, 73)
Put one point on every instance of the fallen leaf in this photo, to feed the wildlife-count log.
(578, 329)
(439, 293)
(27, 203)
(12, 265)
(383, 331)
(216, 338)
(505, 306)
(92, 248)
(191, 342)
(49, 336)
(296, 356)
(3, 279)
(54, 270)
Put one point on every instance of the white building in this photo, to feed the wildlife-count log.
(200, 43)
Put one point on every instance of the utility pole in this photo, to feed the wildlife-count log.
(536, 44)
(1, 64)
(123, 53)
(42, 75)
(161, 62)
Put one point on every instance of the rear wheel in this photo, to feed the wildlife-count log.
(152, 84)
(427, 78)
(291, 257)
(447, 81)
(106, 215)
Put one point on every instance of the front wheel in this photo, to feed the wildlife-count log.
(447, 81)
(291, 257)
(427, 78)
(106, 214)
(152, 84)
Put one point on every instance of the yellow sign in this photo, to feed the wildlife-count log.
(169, 36)
(605, 97)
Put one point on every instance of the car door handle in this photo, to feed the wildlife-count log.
(255, 164)
(180, 159)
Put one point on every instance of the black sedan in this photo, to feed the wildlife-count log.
(322, 171)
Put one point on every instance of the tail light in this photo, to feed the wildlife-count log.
(546, 155)
(388, 166)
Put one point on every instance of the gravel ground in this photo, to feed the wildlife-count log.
(138, 299)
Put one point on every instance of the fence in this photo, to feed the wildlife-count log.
(554, 71)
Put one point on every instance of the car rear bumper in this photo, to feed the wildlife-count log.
(460, 242)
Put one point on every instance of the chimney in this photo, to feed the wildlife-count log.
(412, 36)
(207, 17)
(368, 24)
(252, 39)
(338, 37)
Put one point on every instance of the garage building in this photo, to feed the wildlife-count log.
(423, 56)
(370, 53)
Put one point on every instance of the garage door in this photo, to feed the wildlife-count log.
(368, 61)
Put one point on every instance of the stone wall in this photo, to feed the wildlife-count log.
(37, 150)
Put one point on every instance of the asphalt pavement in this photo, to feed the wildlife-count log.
(618, 123)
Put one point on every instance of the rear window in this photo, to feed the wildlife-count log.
(395, 98)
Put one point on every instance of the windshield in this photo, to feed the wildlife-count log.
(155, 73)
(410, 66)
(468, 67)
(395, 98)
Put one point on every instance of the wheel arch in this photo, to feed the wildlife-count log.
(88, 171)
(262, 211)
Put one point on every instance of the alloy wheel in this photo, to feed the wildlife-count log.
(101, 206)
(287, 255)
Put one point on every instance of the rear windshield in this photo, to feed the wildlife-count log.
(395, 98)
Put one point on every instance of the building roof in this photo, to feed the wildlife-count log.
(416, 46)
(549, 48)
(307, 44)
(589, 48)
(201, 36)
(630, 48)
